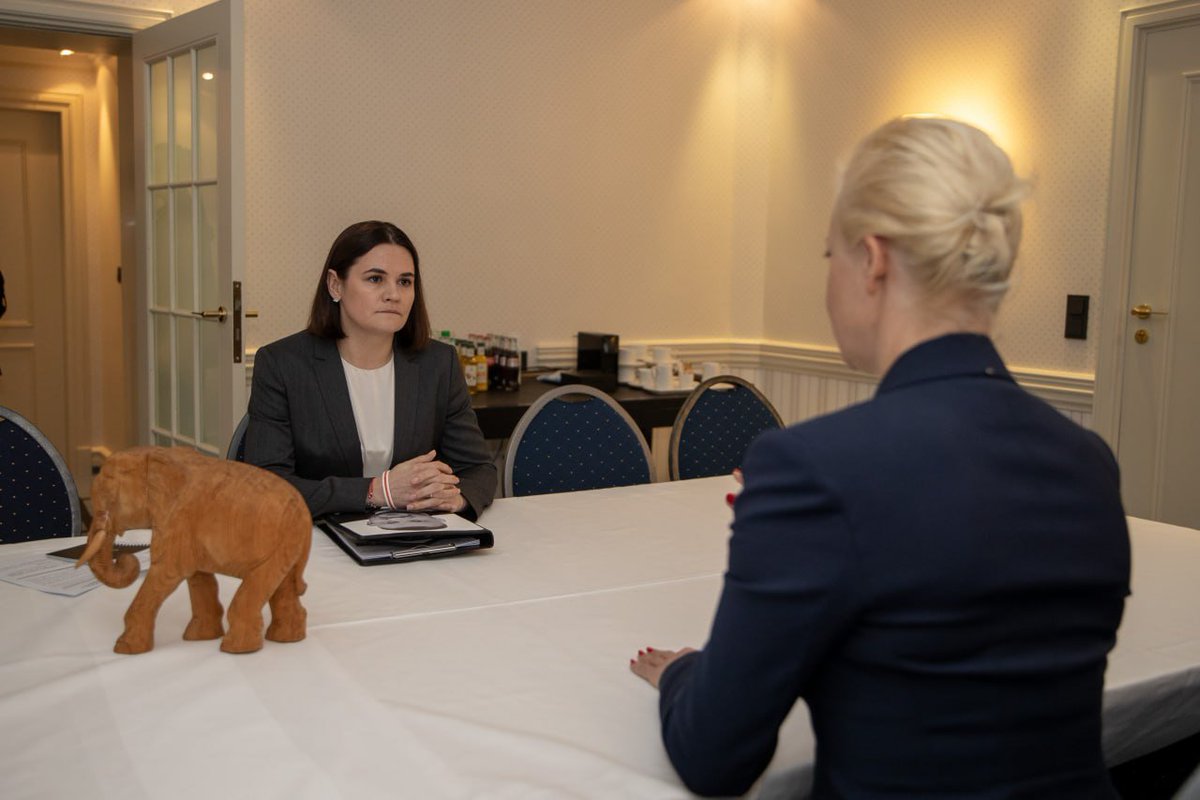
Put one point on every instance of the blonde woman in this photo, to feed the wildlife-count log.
(938, 573)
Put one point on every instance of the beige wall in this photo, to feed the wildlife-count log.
(561, 166)
(657, 168)
(1039, 76)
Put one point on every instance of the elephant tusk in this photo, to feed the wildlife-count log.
(95, 539)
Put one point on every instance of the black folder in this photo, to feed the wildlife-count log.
(385, 546)
(73, 553)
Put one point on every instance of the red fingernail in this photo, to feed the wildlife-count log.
(649, 649)
(641, 652)
(729, 498)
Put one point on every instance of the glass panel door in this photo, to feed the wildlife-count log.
(185, 155)
(183, 248)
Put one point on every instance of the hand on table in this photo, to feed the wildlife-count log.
(425, 484)
(650, 663)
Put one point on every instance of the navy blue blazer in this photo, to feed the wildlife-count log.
(302, 424)
(939, 573)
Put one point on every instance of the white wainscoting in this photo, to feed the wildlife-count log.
(804, 381)
(801, 381)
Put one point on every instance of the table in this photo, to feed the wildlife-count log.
(499, 412)
(500, 674)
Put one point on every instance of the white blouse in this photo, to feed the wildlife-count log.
(373, 399)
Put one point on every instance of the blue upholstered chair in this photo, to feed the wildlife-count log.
(237, 443)
(715, 426)
(38, 499)
(575, 437)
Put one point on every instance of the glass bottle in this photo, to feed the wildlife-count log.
(481, 372)
(465, 358)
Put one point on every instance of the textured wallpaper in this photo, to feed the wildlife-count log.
(656, 168)
(1039, 76)
(561, 166)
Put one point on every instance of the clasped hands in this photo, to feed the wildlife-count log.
(421, 484)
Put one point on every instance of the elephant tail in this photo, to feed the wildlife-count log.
(297, 573)
(298, 576)
(99, 555)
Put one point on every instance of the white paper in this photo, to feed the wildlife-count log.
(392, 524)
(53, 575)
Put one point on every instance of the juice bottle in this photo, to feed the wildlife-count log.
(481, 371)
(466, 359)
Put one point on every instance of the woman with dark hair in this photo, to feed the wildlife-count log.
(361, 410)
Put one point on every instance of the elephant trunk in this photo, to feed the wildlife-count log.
(99, 555)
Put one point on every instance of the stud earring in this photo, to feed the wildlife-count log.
(337, 299)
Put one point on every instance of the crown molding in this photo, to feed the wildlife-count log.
(79, 16)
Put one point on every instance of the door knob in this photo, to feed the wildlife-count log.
(1144, 311)
(219, 315)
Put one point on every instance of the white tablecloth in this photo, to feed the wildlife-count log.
(500, 674)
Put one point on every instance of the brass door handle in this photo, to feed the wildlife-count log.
(1144, 311)
(219, 315)
(251, 314)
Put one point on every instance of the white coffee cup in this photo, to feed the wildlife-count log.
(625, 372)
(710, 369)
(645, 375)
(626, 358)
(662, 355)
(637, 353)
(664, 377)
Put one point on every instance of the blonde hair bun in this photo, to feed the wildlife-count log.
(942, 192)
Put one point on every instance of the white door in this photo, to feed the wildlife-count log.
(32, 352)
(187, 162)
(1158, 422)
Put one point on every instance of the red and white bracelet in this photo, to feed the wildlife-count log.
(387, 490)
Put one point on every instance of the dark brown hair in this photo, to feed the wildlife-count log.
(325, 319)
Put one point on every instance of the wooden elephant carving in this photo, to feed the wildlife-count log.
(208, 516)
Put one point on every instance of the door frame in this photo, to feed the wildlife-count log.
(1136, 25)
(96, 18)
(101, 20)
(72, 183)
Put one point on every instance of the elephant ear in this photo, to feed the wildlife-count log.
(166, 476)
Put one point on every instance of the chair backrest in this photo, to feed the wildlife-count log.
(575, 437)
(715, 426)
(38, 499)
(237, 443)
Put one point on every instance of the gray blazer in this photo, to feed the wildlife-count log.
(302, 424)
